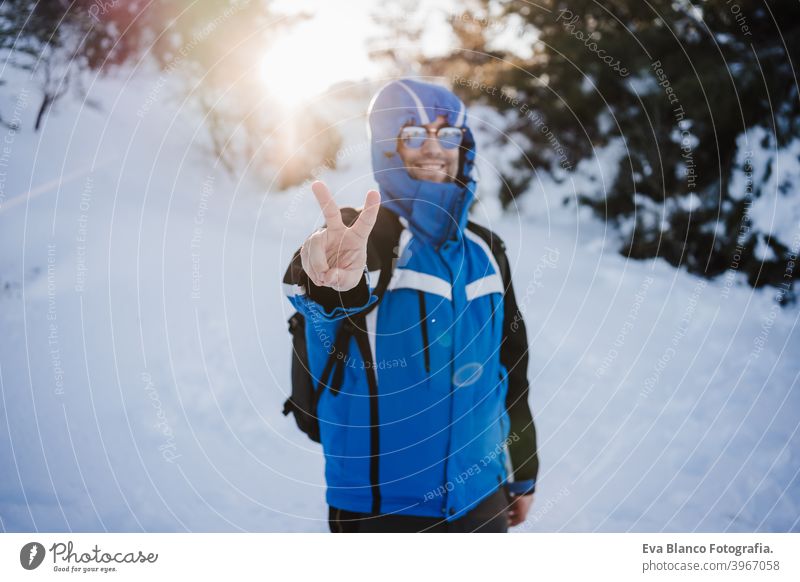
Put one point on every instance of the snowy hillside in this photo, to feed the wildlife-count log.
(144, 357)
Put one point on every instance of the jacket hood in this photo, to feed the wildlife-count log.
(435, 212)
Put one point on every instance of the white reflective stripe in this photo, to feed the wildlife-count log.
(423, 116)
(371, 322)
(482, 243)
(373, 278)
(292, 290)
(484, 286)
(461, 114)
(408, 279)
(405, 239)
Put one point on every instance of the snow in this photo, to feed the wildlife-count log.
(773, 180)
(145, 354)
(551, 195)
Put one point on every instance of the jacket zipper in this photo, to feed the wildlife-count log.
(423, 322)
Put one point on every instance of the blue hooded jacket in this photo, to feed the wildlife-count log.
(432, 415)
(435, 212)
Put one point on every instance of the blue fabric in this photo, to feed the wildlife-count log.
(521, 487)
(443, 432)
(311, 308)
(436, 212)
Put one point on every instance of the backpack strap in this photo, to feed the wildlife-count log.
(384, 242)
(337, 355)
(362, 341)
(306, 390)
(498, 248)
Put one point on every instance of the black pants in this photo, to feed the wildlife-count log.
(489, 516)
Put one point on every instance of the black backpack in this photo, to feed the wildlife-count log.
(305, 395)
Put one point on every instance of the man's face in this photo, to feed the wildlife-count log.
(430, 162)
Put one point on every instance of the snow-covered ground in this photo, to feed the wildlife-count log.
(144, 354)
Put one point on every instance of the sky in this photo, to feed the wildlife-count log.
(334, 44)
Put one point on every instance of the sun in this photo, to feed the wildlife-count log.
(308, 59)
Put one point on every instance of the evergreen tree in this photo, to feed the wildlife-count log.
(57, 42)
(679, 83)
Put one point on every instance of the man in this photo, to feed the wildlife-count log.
(427, 427)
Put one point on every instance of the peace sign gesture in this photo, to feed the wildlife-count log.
(335, 255)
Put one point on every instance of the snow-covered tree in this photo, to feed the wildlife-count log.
(703, 97)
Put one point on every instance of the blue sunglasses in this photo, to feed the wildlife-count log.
(414, 136)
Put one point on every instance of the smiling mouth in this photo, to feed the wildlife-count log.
(432, 166)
